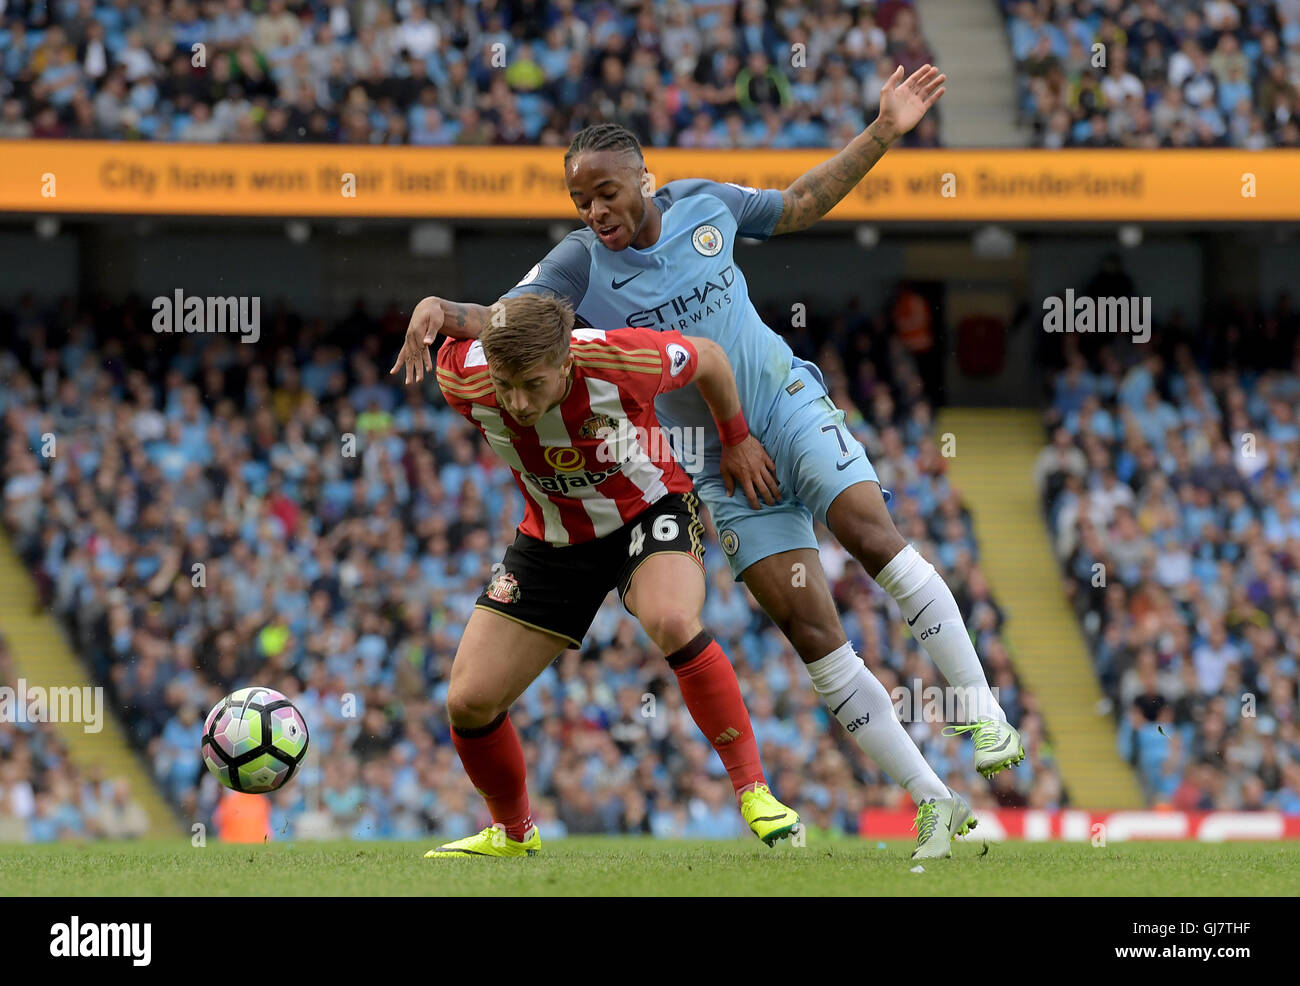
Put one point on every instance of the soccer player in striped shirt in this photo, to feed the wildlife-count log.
(607, 506)
(663, 259)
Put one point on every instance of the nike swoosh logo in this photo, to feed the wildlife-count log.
(1001, 746)
(841, 466)
(770, 818)
(836, 711)
(615, 283)
(912, 621)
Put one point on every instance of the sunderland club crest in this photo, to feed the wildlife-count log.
(504, 589)
(594, 425)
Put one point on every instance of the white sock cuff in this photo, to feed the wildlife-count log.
(835, 670)
(906, 572)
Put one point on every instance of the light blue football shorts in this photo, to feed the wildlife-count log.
(817, 459)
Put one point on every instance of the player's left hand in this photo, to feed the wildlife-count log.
(749, 467)
(903, 103)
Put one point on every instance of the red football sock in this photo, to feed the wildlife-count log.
(712, 694)
(494, 761)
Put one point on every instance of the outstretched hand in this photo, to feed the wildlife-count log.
(425, 323)
(904, 102)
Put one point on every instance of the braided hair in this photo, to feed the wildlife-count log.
(604, 137)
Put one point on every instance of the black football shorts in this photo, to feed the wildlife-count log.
(559, 588)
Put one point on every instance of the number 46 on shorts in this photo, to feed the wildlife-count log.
(664, 529)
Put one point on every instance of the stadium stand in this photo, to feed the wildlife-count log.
(1167, 74)
(45, 796)
(344, 580)
(697, 74)
(1169, 487)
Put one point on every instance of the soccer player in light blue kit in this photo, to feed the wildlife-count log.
(663, 259)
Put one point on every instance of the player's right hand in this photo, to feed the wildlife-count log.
(426, 321)
(748, 466)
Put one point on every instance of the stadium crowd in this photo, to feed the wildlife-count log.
(1147, 74)
(691, 73)
(220, 514)
(44, 795)
(1171, 486)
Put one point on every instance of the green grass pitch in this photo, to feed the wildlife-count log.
(646, 867)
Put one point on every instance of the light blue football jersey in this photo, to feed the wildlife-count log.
(689, 281)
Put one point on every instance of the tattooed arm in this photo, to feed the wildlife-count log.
(460, 320)
(463, 319)
(902, 106)
(815, 193)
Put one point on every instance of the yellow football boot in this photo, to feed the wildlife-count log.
(492, 841)
(767, 818)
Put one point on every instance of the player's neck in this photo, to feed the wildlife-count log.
(647, 234)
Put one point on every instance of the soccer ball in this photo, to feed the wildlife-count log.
(253, 740)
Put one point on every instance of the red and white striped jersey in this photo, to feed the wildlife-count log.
(596, 460)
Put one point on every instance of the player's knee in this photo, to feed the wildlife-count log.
(466, 711)
(671, 628)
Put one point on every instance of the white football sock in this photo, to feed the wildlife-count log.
(932, 615)
(862, 706)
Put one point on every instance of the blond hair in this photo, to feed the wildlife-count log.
(526, 330)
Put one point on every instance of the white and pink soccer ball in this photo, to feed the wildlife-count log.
(253, 740)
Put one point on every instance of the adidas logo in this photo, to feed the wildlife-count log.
(728, 735)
